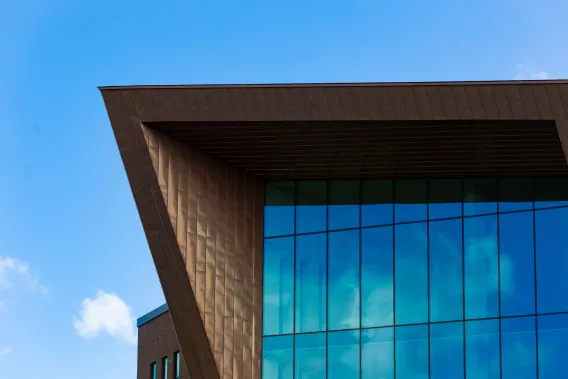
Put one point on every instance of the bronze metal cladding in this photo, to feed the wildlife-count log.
(197, 156)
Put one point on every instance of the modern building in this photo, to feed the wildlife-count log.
(373, 231)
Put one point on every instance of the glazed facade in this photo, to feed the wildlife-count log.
(412, 279)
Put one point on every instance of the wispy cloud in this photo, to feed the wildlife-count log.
(106, 312)
(18, 275)
(5, 350)
(524, 71)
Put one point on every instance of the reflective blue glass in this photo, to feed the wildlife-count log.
(446, 351)
(516, 252)
(552, 346)
(311, 209)
(343, 283)
(482, 349)
(344, 204)
(377, 202)
(445, 197)
(411, 201)
(311, 356)
(278, 357)
(446, 285)
(411, 274)
(311, 278)
(377, 353)
(343, 355)
(518, 348)
(481, 267)
(278, 300)
(411, 351)
(552, 259)
(480, 196)
(278, 220)
(377, 294)
(279, 208)
(311, 218)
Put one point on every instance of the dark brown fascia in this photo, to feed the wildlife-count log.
(131, 107)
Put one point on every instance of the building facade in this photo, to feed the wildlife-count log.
(366, 231)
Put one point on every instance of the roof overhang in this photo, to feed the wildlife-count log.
(231, 138)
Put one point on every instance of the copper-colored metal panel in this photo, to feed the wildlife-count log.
(409, 100)
(210, 274)
(371, 103)
(560, 114)
(462, 102)
(542, 103)
(529, 102)
(488, 101)
(398, 105)
(475, 103)
(516, 102)
(384, 103)
(436, 104)
(502, 102)
(423, 102)
(173, 183)
(449, 101)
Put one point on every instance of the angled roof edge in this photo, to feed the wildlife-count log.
(346, 84)
(152, 315)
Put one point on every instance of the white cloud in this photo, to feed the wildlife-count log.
(526, 72)
(106, 312)
(5, 350)
(18, 275)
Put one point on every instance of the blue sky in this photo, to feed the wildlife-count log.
(70, 235)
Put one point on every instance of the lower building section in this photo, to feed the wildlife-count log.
(159, 355)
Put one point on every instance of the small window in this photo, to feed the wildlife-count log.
(165, 368)
(153, 370)
(177, 359)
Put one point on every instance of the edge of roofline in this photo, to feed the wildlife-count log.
(152, 315)
(331, 85)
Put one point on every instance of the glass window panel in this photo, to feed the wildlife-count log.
(552, 260)
(311, 283)
(278, 357)
(377, 353)
(518, 341)
(377, 202)
(481, 267)
(482, 349)
(552, 346)
(343, 355)
(279, 209)
(165, 368)
(516, 263)
(411, 274)
(446, 351)
(515, 194)
(178, 364)
(153, 370)
(344, 204)
(411, 351)
(278, 303)
(551, 192)
(310, 356)
(377, 276)
(446, 285)
(311, 210)
(445, 198)
(480, 196)
(343, 283)
(410, 200)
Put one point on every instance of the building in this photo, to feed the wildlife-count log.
(389, 230)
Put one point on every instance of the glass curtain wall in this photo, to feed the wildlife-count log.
(412, 279)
